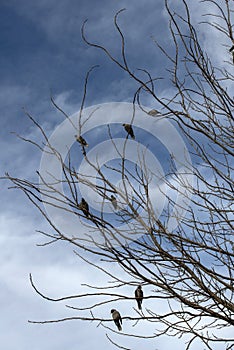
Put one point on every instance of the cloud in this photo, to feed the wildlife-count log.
(56, 273)
(50, 55)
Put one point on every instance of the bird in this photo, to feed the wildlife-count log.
(84, 207)
(114, 201)
(117, 318)
(128, 128)
(81, 140)
(232, 52)
(139, 296)
(153, 112)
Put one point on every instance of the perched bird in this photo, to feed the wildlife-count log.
(81, 140)
(84, 207)
(117, 318)
(153, 112)
(128, 128)
(232, 51)
(139, 296)
(114, 201)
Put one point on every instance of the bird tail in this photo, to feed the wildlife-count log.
(119, 327)
(139, 304)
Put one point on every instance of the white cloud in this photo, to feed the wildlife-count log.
(56, 273)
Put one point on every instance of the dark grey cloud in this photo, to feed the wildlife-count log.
(42, 51)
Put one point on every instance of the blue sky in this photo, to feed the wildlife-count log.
(42, 52)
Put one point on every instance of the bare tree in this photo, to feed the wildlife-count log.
(188, 265)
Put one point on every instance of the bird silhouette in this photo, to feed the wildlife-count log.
(81, 140)
(128, 128)
(139, 296)
(117, 318)
(153, 112)
(84, 207)
(232, 52)
(114, 201)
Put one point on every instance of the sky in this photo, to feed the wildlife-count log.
(42, 53)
